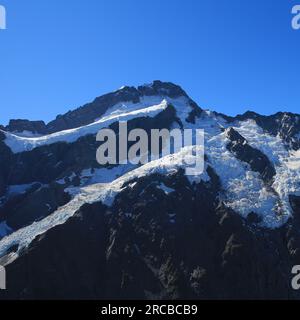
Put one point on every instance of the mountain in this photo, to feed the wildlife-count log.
(73, 229)
(96, 109)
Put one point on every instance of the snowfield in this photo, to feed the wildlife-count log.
(104, 192)
(293, 162)
(286, 163)
(242, 189)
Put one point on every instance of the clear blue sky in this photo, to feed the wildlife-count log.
(229, 55)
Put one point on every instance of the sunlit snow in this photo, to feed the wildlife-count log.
(242, 189)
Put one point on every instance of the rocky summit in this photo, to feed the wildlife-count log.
(73, 229)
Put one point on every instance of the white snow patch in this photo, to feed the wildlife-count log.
(294, 161)
(104, 175)
(104, 192)
(286, 163)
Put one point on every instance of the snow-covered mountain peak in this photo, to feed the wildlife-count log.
(251, 162)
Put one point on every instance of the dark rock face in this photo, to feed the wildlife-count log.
(159, 88)
(35, 204)
(257, 160)
(91, 111)
(195, 113)
(26, 125)
(80, 244)
(184, 244)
